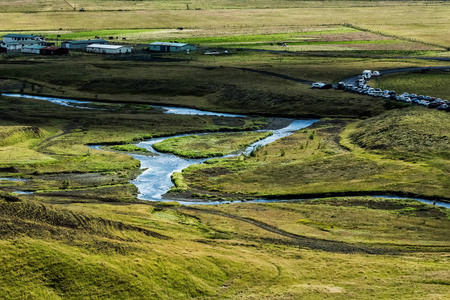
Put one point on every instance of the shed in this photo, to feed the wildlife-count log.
(108, 49)
(82, 44)
(54, 51)
(35, 49)
(171, 47)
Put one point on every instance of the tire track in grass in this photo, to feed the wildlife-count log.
(282, 76)
(301, 241)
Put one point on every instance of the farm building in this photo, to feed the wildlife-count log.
(170, 47)
(15, 42)
(34, 49)
(108, 49)
(23, 38)
(81, 45)
(54, 51)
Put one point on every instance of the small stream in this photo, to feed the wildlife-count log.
(155, 180)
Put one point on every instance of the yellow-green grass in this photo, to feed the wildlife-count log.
(209, 145)
(104, 251)
(433, 83)
(311, 162)
(10, 135)
(405, 134)
(389, 17)
(129, 148)
(55, 6)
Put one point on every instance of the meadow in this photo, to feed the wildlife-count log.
(221, 16)
(84, 234)
(431, 83)
(402, 152)
(385, 249)
(203, 146)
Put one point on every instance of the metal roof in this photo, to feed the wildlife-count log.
(107, 46)
(21, 35)
(33, 47)
(85, 41)
(168, 44)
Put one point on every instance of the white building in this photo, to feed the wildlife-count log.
(34, 49)
(108, 49)
(15, 42)
(171, 47)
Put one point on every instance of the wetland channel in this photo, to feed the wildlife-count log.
(155, 181)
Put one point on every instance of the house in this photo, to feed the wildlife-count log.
(15, 42)
(54, 51)
(34, 49)
(82, 44)
(108, 49)
(171, 47)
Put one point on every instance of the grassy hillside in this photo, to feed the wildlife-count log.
(324, 159)
(406, 134)
(433, 83)
(141, 251)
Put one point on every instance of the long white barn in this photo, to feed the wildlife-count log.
(108, 49)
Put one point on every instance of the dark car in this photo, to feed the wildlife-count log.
(326, 86)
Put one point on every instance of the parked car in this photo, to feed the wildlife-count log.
(367, 74)
(341, 85)
(375, 73)
(317, 85)
(326, 86)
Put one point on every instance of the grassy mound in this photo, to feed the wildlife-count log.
(10, 135)
(31, 218)
(406, 133)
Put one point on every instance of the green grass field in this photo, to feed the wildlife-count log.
(142, 251)
(400, 155)
(83, 233)
(432, 83)
(202, 146)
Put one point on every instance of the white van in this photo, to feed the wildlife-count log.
(367, 74)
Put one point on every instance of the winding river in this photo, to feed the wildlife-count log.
(155, 180)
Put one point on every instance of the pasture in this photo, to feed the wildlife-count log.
(84, 234)
(219, 17)
(161, 251)
(390, 153)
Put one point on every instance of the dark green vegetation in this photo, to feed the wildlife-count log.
(202, 146)
(240, 83)
(156, 251)
(434, 83)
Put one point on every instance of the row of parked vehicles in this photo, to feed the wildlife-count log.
(361, 86)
